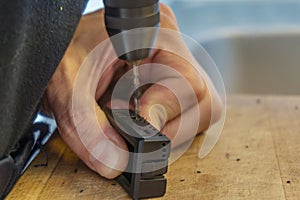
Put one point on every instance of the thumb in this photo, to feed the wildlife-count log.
(90, 135)
(109, 154)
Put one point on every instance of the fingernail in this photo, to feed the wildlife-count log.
(107, 153)
(158, 116)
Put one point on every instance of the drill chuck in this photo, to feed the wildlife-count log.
(124, 15)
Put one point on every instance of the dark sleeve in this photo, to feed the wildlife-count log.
(34, 36)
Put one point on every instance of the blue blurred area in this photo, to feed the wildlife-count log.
(255, 43)
(195, 16)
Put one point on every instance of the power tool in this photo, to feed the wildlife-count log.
(123, 15)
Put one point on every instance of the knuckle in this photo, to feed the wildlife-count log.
(165, 9)
(65, 125)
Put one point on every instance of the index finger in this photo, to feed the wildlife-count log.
(177, 87)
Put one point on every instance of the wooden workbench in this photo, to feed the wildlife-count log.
(257, 157)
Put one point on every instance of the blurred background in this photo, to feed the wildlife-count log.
(255, 43)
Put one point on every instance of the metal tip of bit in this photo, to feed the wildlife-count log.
(136, 105)
(136, 85)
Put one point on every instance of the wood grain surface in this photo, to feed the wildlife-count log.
(257, 157)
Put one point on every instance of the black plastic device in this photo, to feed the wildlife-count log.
(148, 160)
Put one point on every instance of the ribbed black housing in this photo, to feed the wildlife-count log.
(123, 15)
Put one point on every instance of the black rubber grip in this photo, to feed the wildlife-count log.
(123, 15)
(131, 23)
(120, 18)
(129, 3)
(132, 12)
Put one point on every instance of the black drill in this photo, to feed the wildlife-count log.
(123, 15)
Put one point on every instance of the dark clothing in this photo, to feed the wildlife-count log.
(34, 36)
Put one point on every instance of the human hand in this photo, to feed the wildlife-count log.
(90, 32)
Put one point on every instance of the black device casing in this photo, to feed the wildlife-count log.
(144, 176)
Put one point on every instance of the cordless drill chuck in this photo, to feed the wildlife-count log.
(124, 15)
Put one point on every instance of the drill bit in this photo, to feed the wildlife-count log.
(136, 85)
